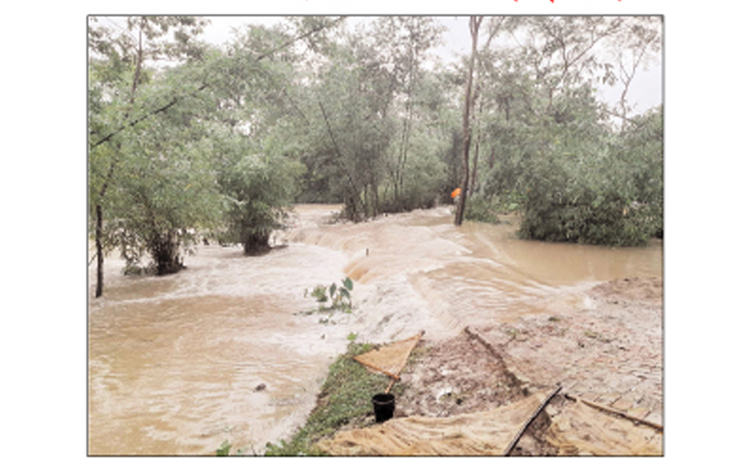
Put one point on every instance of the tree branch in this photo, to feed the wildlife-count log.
(340, 159)
(206, 85)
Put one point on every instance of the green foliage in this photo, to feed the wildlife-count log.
(345, 398)
(225, 141)
(612, 196)
(149, 184)
(486, 209)
(371, 126)
(590, 217)
(552, 151)
(339, 296)
(255, 155)
(257, 195)
(154, 181)
(577, 180)
(223, 451)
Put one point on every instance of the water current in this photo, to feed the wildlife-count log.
(220, 351)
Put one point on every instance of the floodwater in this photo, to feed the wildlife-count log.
(175, 363)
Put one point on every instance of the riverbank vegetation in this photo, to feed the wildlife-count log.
(344, 399)
(190, 141)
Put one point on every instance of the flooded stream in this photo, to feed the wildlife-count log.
(220, 351)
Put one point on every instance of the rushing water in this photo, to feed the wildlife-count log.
(175, 362)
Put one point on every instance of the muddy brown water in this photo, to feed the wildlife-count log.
(175, 363)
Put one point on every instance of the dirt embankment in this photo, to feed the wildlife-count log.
(608, 350)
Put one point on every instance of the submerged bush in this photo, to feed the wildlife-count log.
(607, 192)
(603, 219)
(486, 209)
(481, 209)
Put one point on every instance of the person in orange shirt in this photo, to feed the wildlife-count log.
(456, 194)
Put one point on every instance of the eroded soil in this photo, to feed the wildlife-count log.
(607, 350)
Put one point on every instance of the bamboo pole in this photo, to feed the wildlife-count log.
(388, 390)
(614, 411)
(528, 422)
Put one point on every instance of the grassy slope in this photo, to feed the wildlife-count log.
(344, 399)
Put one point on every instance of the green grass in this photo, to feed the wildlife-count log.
(345, 398)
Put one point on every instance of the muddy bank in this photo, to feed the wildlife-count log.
(607, 350)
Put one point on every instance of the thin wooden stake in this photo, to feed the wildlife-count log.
(617, 412)
(528, 422)
(388, 390)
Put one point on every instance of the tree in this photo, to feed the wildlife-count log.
(402, 43)
(152, 134)
(370, 106)
(474, 24)
(257, 189)
(165, 192)
(553, 152)
(348, 129)
(638, 42)
(116, 71)
(254, 147)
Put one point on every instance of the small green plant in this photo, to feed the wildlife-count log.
(223, 451)
(319, 293)
(334, 297)
(352, 336)
(226, 447)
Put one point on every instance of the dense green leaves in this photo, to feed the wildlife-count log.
(371, 127)
(549, 145)
(189, 141)
(190, 149)
(139, 171)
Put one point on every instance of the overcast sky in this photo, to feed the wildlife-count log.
(645, 91)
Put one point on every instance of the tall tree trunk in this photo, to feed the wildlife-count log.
(99, 232)
(366, 195)
(473, 183)
(256, 243)
(112, 165)
(99, 253)
(474, 23)
(375, 199)
(354, 189)
(165, 251)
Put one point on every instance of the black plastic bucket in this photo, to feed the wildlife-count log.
(384, 404)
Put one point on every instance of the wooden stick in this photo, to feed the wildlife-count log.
(528, 422)
(484, 343)
(388, 390)
(617, 412)
(490, 349)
